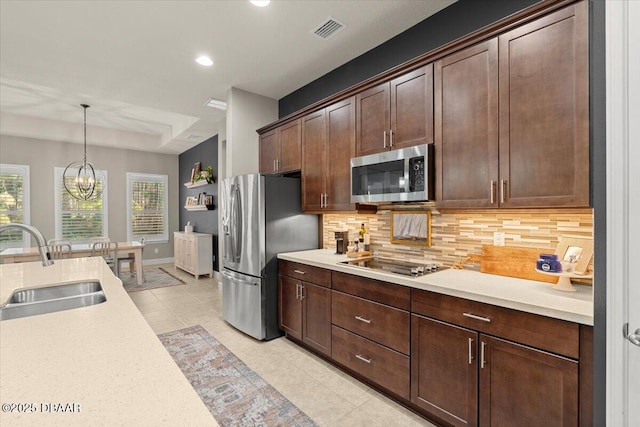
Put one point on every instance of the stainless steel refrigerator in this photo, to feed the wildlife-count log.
(261, 217)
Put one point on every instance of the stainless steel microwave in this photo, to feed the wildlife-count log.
(402, 175)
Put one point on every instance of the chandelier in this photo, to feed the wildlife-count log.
(80, 179)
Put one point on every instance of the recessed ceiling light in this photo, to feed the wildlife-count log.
(260, 3)
(214, 103)
(204, 60)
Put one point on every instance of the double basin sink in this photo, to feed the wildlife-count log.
(49, 299)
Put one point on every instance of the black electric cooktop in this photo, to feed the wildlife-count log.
(389, 265)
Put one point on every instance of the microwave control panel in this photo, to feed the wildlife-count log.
(416, 174)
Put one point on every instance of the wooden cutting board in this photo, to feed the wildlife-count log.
(513, 262)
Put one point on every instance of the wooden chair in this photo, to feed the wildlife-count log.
(59, 248)
(108, 251)
(131, 259)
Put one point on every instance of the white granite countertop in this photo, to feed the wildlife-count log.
(104, 360)
(525, 295)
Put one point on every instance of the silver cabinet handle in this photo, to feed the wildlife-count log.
(364, 359)
(492, 192)
(362, 319)
(301, 292)
(470, 350)
(482, 360)
(277, 165)
(384, 139)
(473, 316)
(326, 200)
(503, 190)
(391, 138)
(633, 337)
(299, 271)
(297, 290)
(274, 165)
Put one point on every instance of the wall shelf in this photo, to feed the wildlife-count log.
(196, 184)
(199, 207)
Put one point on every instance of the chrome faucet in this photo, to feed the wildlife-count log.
(43, 248)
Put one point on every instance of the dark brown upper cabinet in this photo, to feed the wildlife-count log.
(280, 149)
(466, 127)
(396, 114)
(512, 119)
(544, 111)
(328, 144)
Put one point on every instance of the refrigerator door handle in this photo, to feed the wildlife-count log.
(236, 225)
(255, 282)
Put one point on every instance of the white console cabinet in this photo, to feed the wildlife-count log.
(192, 253)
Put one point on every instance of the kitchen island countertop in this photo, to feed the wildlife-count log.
(525, 295)
(102, 363)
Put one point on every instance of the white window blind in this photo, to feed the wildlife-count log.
(79, 220)
(14, 204)
(147, 207)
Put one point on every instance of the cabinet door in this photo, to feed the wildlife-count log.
(290, 147)
(466, 86)
(340, 149)
(412, 108)
(313, 160)
(544, 111)
(525, 386)
(289, 306)
(268, 151)
(372, 120)
(316, 313)
(444, 370)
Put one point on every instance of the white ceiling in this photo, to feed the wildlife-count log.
(133, 61)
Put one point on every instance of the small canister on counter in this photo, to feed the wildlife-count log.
(549, 263)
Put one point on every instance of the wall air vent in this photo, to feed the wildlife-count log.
(328, 28)
(194, 137)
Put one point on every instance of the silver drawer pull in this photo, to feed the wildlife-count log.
(362, 319)
(473, 316)
(299, 271)
(364, 359)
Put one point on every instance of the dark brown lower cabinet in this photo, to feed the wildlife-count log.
(444, 370)
(526, 387)
(469, 379)
(304, 312)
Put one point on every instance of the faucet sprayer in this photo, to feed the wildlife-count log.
(43, 248)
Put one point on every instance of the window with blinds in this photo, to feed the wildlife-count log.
(147, 207)
(80, 220)
(14, 204)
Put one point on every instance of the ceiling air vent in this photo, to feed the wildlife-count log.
(328, 28)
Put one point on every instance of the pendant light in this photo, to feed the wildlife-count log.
(80, 179)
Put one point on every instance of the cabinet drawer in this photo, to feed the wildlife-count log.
(557, 336)
(383, 324)
(377, 363)
(385, 293)
(308, 273)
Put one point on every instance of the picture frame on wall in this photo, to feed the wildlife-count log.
(196, 168)
(411, 227)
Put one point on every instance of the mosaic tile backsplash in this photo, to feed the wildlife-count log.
(456, 234)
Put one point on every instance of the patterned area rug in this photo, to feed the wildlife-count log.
(153, 278)
(234, 394)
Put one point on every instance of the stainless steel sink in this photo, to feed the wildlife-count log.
(49, 299)
(53, 292)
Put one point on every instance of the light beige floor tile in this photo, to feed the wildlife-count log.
(326, 394)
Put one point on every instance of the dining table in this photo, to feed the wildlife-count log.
(78, 250)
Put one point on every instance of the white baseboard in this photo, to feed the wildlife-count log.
(155, 261)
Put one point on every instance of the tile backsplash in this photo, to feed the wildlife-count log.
(456, 234)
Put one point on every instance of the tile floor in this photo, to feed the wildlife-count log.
(324, 393)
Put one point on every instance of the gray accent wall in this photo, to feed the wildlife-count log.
(43, 156)
(457, 20)
(202, 221)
